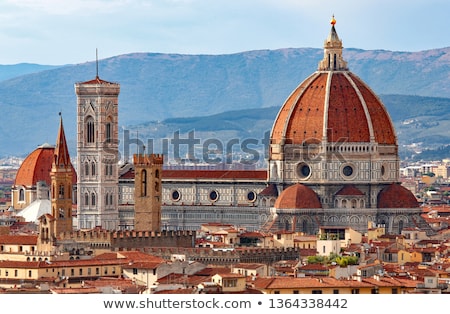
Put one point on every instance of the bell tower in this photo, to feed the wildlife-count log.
(61, 185)
(97, 154)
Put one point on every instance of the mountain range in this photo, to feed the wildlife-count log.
(224, 96)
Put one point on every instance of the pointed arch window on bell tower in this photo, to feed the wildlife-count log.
(90, 130)
(108, 132)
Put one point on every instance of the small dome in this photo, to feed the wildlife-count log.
(297, 196)
(396, 196)
(37, 167)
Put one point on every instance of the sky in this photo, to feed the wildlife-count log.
(57, 32)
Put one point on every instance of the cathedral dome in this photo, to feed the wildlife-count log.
(37, 167)
(396, 196)
(297, 196)
(333, 105)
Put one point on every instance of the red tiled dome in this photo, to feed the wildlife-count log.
(396, 196)
(297, 196)
(333, 104)
(37, 166)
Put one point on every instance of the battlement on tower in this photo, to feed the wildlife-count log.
(148, 159)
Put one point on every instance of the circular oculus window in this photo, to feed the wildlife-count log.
(213, 195)
(176, 195)
(251, 196)
(303, 170)
(347, 171)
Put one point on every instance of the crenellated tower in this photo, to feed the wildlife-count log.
(147, 192)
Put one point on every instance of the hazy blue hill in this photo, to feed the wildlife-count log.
(420, 120)
(159, 88)
(8, 71)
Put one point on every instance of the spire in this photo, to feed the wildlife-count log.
(96, 63)
(332, 60)
(61, 156)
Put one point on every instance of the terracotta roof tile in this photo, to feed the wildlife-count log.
(350, 189)
(215, 174)
(18, 239)
(97, 80)
(270, 190)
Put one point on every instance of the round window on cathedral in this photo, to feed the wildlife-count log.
(251, 196)
(213, 195)
(303, 170)
(176, 195)
(348, 171)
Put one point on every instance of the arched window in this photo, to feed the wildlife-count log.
(86, 168)
(108, 169)
(305, 226)
(287, 225)
(156, 173)
(93, 168)
(400, 226)
(21, 195)
(86, 199)
(90, 130)
(61, 191)
(93, 199)
(108, 132)
(144, 183)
